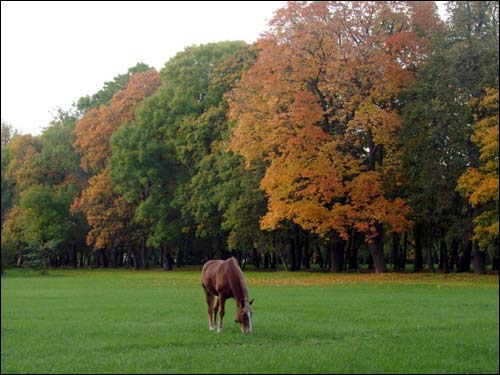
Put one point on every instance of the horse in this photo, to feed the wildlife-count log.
(225, 280)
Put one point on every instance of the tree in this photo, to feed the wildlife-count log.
(319, 107)
(436, 136)
(8, 133)
(108, 213)
(163, 162)
(103, 96)
(480, 184)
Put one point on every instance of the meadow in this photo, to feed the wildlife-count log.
(102, 321)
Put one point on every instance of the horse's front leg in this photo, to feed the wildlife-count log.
(210, 307)
(222, 306)
(216, 308)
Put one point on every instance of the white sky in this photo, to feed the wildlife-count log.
(55, 52)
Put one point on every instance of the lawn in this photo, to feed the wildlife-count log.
(155, 322)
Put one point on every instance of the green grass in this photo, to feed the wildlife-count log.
(155, 322)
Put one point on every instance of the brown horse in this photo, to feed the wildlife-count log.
(225, 280)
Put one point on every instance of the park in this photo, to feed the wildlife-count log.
(250, 187)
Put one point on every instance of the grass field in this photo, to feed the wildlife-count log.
(155, 322)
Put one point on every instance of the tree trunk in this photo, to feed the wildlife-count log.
(307, 255)
(168, 261)
(454, 255)
(444, 255)
(337, 255)
(418, 265)
(479, 259)
(292, 259)
(377, 250)
(395, 251)
(351, 261)
(274, 261)
(430, 258)
(256, 258)
(298, 248)
(267, 258)
(402, 255)
(180, 255)
(466, 256)
(144, 264)
(112, 257)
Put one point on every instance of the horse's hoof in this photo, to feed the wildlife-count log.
(211, 328)
(219, 330)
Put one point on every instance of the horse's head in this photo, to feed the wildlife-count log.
(244, 315)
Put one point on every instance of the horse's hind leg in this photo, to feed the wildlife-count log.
(222, 306)
(210, 306)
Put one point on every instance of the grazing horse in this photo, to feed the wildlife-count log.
(225, 280)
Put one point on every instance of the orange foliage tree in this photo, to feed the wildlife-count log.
(107, 213)
(320, 107)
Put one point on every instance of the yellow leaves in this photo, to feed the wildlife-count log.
(106, 213)
(320, 96)
(480, 185)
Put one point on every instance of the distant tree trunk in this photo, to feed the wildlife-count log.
(402, 255)
(104, 258)
(479, 259)
(395, 251)
(274, 260)
(292, 255)
(377, 250)
(495, 265)
(466, 256)
(137, 261)
(74, 256)
(307, 255)
(144, 264)
(180, 255)
(319, 258)
(430, 258)
(352, 251)
(112, 257)
(454, 255)
(267, 259)
(168, 259)
(467, 253)
(256, 258)
(418, 265)
(443, 261)
(337, 254)
(370, 261)
(298, 247)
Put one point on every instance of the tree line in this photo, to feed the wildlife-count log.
(350, 132)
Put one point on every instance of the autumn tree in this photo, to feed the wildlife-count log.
(480, 184)
(106, 211)
(46, 175)
(436, 137)
(8, 133)
(319, 107)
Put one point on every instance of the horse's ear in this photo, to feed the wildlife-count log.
(251, 301)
